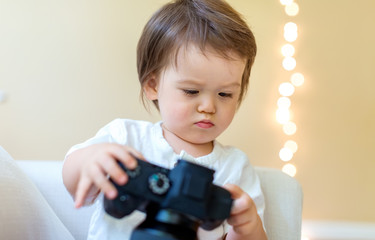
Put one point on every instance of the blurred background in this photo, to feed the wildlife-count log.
(67, 68)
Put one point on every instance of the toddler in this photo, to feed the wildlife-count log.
(194, 59)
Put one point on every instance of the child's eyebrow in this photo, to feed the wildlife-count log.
(233, 84)
(198, 83)
(188, 81)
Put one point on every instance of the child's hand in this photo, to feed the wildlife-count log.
(244, 219)
(98, 162)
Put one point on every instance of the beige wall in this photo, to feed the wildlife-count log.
(68, 68)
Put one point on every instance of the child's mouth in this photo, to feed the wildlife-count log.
(204, 124)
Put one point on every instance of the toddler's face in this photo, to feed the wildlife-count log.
(199, 97)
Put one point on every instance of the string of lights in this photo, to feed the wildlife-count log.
(287, 88)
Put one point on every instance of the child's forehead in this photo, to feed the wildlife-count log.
(194, 65)
(190, 52)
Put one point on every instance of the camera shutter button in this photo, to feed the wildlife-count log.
(158, 183)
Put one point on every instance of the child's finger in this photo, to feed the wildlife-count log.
(125, 155)
(102, 182)
(83, 187)
(240, 218)
(242, 201)
(111, 167)
(134, 153)
(234, 190)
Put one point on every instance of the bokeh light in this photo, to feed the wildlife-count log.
(286, 89)
(289, 63)
(284, 102)
(297, 79)
(285, 154)
(290, 169)
(282, 115)
(290, 36)
(290, 128)
(288, 50)
(290, 27)
(292, 145)
(292, 9)
(286, 2)
(290, 31)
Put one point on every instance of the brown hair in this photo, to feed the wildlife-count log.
(200, 22)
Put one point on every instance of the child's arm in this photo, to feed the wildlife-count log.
(86, 171)
(244, 219)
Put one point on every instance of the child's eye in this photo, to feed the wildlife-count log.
(190, 92)
(225, 95)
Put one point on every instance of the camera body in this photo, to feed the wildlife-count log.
(176, 201)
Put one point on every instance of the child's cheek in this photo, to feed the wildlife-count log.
(183, 112)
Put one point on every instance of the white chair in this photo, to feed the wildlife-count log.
(283, 196)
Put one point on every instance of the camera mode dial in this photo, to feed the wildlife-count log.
(133, 173)
(158, 183)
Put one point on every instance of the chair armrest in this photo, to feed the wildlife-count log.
(47, 176)
(284, 198)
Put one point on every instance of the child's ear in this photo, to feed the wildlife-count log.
(150, 88)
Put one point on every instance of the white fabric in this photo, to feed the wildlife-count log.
(231, 166)
(47, 177)
(283, 197)
(24, 213)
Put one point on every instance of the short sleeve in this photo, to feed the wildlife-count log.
(105, 134)
(250, 182)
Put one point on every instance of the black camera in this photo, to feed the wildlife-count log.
(176, 201)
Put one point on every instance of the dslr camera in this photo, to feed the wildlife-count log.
(176, 201)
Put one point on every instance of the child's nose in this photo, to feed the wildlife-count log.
(207, 105)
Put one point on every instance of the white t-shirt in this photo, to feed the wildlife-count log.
(231, 165)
